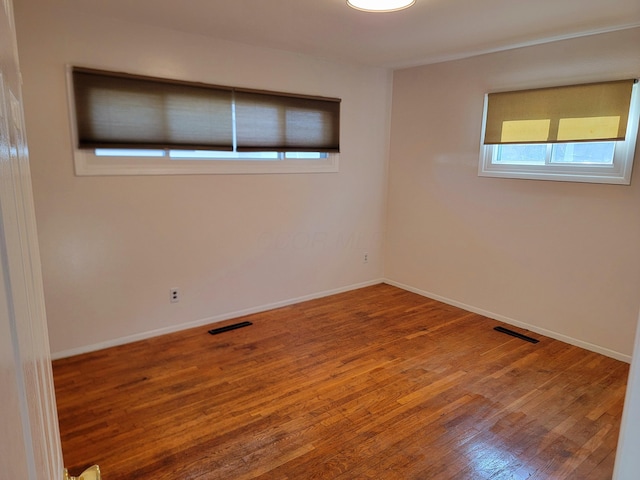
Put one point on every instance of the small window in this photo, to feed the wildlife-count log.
(133, 125)
(582, 133)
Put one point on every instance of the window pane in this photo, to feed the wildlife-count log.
(305, 155)
(524, 154)
(123, 152)
(600, 153)
(221, 155)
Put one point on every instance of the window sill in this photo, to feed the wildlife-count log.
(617, 174)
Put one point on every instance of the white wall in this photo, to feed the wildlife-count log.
(112, 247)
(563, 258)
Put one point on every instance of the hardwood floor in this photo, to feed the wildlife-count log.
(376, 383)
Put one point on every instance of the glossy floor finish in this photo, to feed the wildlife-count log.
(376, 383)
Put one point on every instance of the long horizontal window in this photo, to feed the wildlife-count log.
(126, 124)
(187, 162)
(206, 154)
(582, 133)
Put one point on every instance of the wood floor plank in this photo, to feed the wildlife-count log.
(374, 383)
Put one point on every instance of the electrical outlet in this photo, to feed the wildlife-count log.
(174, 295)
(365, 258)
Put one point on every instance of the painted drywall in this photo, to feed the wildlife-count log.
(561, 257)
(113, 247)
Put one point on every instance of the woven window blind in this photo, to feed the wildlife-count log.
(577, 113)
(276, 122)
(116, 110)
(124, 111)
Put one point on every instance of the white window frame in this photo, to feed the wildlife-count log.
(87, 163)
(617, 173)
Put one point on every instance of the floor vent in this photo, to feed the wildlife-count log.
(234, 326)
(516, 334)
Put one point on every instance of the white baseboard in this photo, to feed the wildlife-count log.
(326, 293)
(501, 318)
(206, 321)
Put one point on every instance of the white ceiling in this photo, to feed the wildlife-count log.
(430, 31)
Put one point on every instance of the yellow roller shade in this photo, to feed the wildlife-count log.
(576, 113)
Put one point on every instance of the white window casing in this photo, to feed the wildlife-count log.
(617, 172)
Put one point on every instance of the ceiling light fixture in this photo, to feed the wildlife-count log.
(380, 5)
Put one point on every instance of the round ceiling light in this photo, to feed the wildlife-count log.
(380, 5)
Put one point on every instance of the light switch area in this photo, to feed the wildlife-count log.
(174, 295)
